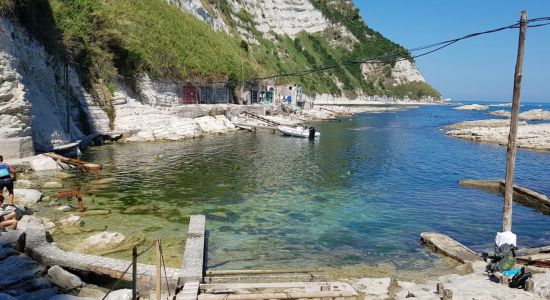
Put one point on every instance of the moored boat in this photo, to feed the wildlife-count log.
(299, 131)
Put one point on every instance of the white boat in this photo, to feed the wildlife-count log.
(299, 131)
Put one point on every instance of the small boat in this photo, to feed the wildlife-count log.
(299, 131)
(69, 150)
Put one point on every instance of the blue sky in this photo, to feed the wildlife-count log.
(481, 68)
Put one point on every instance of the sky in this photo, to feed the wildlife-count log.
(480, 68)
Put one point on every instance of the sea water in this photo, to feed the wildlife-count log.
(359, 195)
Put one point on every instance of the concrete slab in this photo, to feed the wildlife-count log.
(193, 256)
(283, 290)
(190, 291)
(48, 254)
(449, 247)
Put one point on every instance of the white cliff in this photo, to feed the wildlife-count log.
(33, 107)
(404, 71)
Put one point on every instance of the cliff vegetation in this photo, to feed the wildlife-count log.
(111, 38)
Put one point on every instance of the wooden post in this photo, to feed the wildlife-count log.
(158, 270)
(134, 273)
(511, 160)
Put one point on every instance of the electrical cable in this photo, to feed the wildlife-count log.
(385, 58)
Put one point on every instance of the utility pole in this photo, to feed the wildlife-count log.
(511, 160)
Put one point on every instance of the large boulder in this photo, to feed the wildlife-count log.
(71, 221)
(210, 124)
(535, 115)
(104, 239)
(13, 238)
(125, 294)
(43, 163)
(27, 196)
(92, 291)
(16, 147)
(64, 279)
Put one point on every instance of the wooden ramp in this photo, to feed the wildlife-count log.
(260, 118)
(83, 166)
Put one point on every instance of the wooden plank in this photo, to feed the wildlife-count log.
(193, 255)
(449, 247)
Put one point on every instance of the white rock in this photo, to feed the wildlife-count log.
(26, 196)
(65, 280)
(125, 294)
(210, 124)
(92, 291)
(52, 185)
(24, 184)
(65, 208)
(529, 136)
(104, 239)
(71, 220)
(484, 123)
(472, 107)
(535, 114)
(43, 163)
(31, 93)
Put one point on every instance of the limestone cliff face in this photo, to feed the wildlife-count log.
(290, 17)
(33, 109)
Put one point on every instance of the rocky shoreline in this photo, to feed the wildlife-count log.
(530, 136)
(495, 131)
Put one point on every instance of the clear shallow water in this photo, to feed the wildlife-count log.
(361, 194)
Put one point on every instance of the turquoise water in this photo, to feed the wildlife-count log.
(361, 194)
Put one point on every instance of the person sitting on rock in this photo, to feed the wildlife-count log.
(8, 215)
(7, 177)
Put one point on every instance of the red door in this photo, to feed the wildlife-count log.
(189, 94)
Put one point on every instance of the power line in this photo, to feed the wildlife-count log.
(439, 45)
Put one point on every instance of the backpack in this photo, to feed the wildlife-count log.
(519, 280)
(504, 258)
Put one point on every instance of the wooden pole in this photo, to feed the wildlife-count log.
(134, 273)
(158, 270)
(511, 160)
